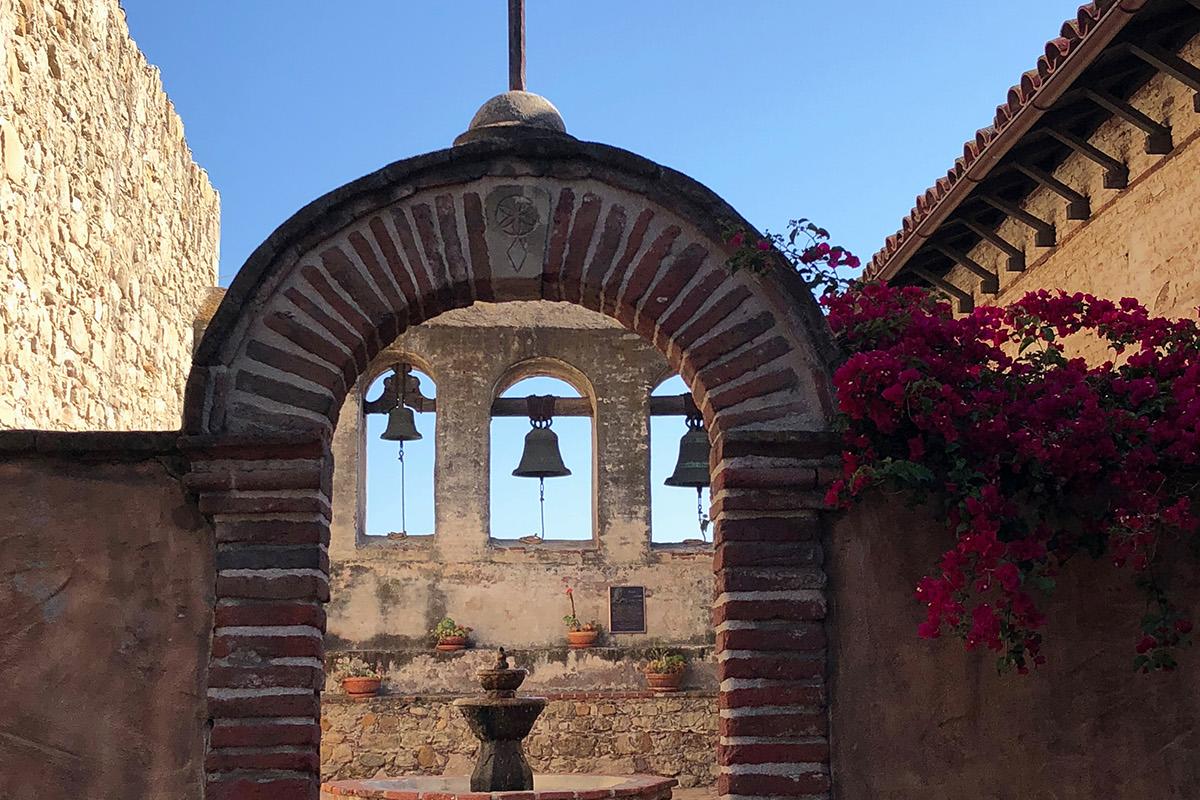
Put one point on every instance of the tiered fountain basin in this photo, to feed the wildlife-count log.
(545, 787)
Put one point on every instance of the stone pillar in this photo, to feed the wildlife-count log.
(769, 614)
(462, 461)
(269, 502)
(622, 437)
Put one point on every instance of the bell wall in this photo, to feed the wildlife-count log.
(387, 594)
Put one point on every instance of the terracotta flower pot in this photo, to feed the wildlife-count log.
(662, 682)
(361, 688)
(578, 640)
(448, 644)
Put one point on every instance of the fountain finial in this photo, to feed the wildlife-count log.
(501, 660)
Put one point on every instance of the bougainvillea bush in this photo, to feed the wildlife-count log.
(1034, 457)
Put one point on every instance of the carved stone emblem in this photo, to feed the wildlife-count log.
(517, 229)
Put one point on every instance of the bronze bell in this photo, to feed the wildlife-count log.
(541, 458)
(692, 467)
(401, 426)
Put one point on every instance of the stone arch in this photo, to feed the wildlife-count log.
(549, 367)
(545, 218)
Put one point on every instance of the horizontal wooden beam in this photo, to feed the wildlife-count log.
(1078, 206)
(989, 281)
(1044, 235)
(677, 405)
(1183, 71)
(1158, 136)
(1116, 174)
(966, 303)
(1015, 256)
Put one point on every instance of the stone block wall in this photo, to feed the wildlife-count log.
(108, 229)
(1142, 241)
(611, 733)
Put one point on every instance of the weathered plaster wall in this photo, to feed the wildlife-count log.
(390, 593)
(108, 230)
(613, 734)
(1143, 241)
(914, 718)
(106, 593)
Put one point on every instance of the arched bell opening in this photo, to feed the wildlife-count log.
(399, 447)
(542, 461)
(680, 497)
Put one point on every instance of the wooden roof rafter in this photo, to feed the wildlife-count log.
(1109, 51)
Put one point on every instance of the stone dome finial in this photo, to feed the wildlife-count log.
(516, 113)
(513, 114)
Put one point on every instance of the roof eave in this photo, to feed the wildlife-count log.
(1023, 121)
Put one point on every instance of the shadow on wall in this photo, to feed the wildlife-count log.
(918, 718)
(105, 622)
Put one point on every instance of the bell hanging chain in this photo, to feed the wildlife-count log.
(542, 505)
(403, 486)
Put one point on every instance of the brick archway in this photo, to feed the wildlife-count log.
(548, 218)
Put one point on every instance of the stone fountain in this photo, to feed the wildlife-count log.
(500, 720)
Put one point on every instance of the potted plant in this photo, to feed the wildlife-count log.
(451, 636)
(664, 672)
(580, 635)
(361, 681)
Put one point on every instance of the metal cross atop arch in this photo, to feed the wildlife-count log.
(516, 45)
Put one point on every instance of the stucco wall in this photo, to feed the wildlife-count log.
(1142, 241)
(108, 230)
(915, 718)
(389, 594)
(105, 619)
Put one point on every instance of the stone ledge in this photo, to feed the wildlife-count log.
(404, 699)
(558, 787)
(106, 445)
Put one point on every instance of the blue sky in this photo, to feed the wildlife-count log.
(838, 111)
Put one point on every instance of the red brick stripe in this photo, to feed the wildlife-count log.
(612, 283)
(578, 244)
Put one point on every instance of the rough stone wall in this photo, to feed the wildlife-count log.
(917, 718)
(1142, 241)
(614, 734)
(108, 230)
(106, 609)
(388, 594)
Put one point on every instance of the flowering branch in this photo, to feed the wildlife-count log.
(1033, 456)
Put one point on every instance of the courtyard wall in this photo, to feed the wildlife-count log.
(108, 229)
(919, 718)
(106, 609)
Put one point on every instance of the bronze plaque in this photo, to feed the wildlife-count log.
(627, 609)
